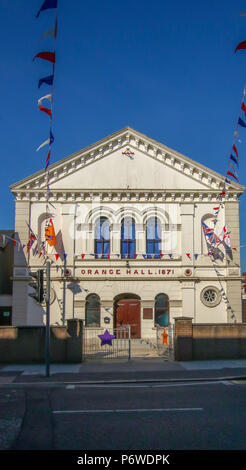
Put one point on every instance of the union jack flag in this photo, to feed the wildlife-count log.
(32, 238)
(209, 233)
(226, 236)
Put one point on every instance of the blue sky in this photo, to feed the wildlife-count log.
(167, 69)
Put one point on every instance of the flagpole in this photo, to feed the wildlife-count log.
(64, 293)
(47, 336)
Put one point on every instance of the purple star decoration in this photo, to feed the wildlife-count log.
(106, 338)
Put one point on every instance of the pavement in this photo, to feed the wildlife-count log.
(137, 369)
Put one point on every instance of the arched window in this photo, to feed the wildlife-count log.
(162, 310)
(153, 238)
(102, 238)
(92, 310)
(128, 241)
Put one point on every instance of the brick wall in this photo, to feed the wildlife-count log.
(26, 344)
(209, 341)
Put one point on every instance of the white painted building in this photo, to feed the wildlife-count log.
(129, 195)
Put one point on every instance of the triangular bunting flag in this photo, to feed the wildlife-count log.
(47, 160)
(234, 159)
(243, 107)
(48, 80)
(229, 173)
(50, 56)
(46, 97)
(241, 45)
(51, 32)
(241, 122)
(45, 110)
(47, 5)
(235, 150)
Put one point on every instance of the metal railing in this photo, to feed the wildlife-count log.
(165, 341)
(94, 350)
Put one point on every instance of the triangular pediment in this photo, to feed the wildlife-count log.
(126, 160)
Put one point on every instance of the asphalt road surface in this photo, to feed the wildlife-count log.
(198, 415)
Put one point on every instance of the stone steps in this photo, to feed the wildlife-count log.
(142, 348)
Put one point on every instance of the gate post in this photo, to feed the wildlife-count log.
(183, 339)
(75, 340)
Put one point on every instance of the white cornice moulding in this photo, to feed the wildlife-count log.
(126, 195)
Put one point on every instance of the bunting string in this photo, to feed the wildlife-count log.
(49, 56)
(51, 239)
(212, 240)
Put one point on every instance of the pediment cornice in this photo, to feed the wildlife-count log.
(132, 139)
(135, 196)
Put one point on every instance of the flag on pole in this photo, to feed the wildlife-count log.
(225, 236)
(32, 239)
(209, 233)
(50, 236)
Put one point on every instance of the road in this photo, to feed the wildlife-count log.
(197, 415)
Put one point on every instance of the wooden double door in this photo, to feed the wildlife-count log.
(127, 312)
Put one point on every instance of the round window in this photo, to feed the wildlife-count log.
(210, 296)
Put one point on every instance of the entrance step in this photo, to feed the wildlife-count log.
(143, 348)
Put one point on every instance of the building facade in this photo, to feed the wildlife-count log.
(130, 249)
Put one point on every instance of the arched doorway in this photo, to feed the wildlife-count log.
(127, 308)
(162, 310)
